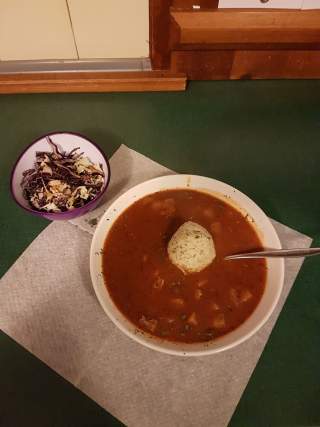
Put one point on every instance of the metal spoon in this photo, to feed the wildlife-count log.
(276, 253)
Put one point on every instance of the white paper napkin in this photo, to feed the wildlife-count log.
(47, 304)
(128, 168)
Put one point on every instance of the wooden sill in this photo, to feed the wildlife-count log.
(149, 81)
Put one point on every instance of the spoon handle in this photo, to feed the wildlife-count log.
(276, 253)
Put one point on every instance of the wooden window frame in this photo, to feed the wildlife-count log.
(87, 76)
(209, 43)
(198, 44)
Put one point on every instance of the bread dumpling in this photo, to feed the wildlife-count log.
(191, 248)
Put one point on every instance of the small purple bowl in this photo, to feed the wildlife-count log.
(66, 141)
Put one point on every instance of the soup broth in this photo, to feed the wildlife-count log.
(158, 297)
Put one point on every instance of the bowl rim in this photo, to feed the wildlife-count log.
(66, 213)
(155, 343)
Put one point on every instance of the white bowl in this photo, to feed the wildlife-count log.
(268, 236)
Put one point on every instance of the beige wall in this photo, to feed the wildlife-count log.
(35, 29)
(41, 29)
(111, 28)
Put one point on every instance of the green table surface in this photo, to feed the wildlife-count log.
(262, 137)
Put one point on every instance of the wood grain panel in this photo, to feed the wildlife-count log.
(203, 65)
(163, 29)
(92, 82)
(276, 65)
(217, 65)
(211, 44)
(230, 26)
(247, 46)
(159, 33)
